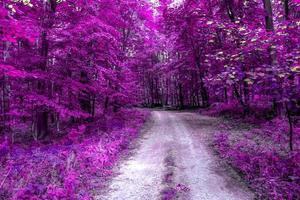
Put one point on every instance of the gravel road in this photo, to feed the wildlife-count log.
(173, 161)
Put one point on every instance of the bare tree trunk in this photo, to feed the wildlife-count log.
(240, 99)
(42, 124)
(106, 102)
(93, 107)
(269, 15)
(288, 112)
(167, 93)
(42, 115)
(204, 93)
(229, 10)
(286, 9)
(181, 100)
(225, 94)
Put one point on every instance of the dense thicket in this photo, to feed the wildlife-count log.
(66, 62)
(66, 85)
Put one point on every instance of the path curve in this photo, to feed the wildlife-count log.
(173, 161)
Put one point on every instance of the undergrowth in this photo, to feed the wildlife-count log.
(260, 151)
(72, 167)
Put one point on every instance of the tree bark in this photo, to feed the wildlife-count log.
(204, 93)
(229, 10)
(240, 99)
(181, 100)
(288, 112)
(269, 15)
(42, 115)
(225, 94)
(286, 9)
(42, 124)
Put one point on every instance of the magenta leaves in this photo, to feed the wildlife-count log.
(271, 173)
(59, 171)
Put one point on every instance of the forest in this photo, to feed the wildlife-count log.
(81, 79)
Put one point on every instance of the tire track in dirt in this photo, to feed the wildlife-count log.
(173, 162)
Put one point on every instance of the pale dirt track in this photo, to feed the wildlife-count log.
(173, 159)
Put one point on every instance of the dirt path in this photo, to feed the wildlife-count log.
(174, 162)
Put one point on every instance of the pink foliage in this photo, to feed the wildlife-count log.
(273, 174)
(71, 73)
(72, 171)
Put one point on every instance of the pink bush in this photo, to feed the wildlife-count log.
(273, 174)
(60, 171)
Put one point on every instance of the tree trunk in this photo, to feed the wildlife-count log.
(288, 112)
(167, 93)
(93, 106)
(181, 100)
(246, 93)
(204, 93)
(240, 99)
(42, 124)
(229, 10)
(286, 9)
(269, 15)
(42, 116)
(225, 94)
(106, 103)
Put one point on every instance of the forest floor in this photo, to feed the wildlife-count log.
(71, 166)
(174, 160)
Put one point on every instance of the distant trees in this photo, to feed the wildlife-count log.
(224, 51)
(228, 49)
